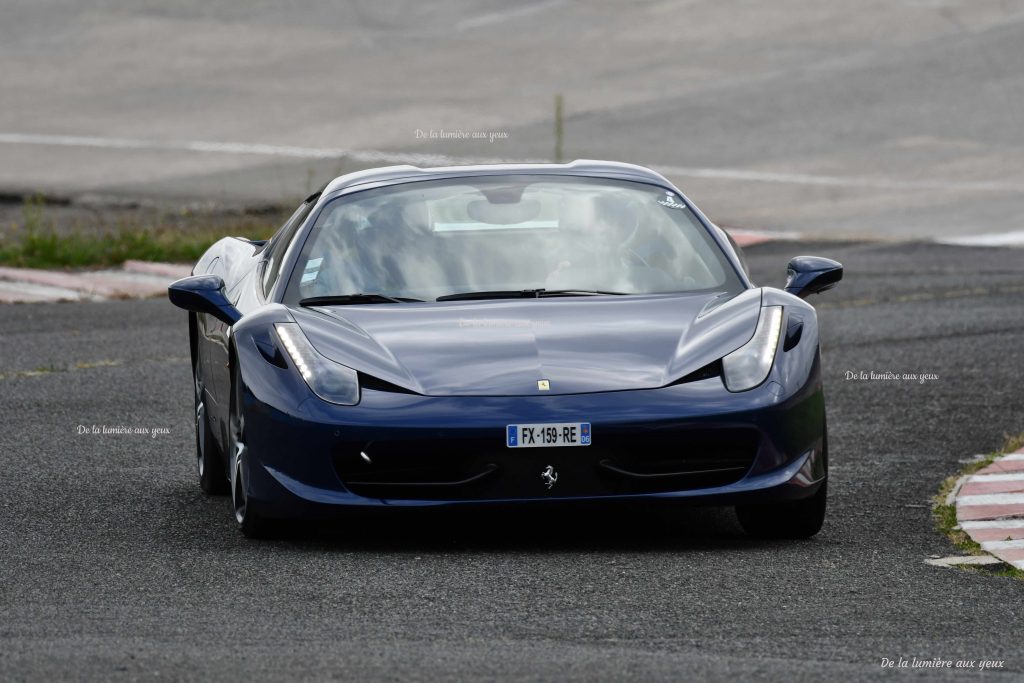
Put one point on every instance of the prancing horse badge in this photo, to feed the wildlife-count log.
(549, 475)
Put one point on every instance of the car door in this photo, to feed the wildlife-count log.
(249, 278)
(237, 257)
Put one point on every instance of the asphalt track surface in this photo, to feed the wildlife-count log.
(116, 567)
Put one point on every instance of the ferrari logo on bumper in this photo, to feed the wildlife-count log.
(550, 476)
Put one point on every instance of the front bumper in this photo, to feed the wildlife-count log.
(649, 444)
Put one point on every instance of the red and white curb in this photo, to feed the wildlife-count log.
(990, 508)
(134, 280)
(748, 238)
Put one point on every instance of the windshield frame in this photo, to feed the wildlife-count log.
(715, 235)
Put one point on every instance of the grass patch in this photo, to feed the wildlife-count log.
(104, 238)
(945, 515)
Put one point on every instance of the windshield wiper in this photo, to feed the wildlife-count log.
(524, 294)
(341, 299)
(580, 292)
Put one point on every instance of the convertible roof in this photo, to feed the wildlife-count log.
(581, 167)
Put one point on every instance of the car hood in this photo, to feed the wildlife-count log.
(504, 347)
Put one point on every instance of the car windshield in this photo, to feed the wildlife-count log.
(506, 236)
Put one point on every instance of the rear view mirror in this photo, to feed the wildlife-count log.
(806, 275)
(203, 294)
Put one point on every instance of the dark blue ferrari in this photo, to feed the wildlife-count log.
(514, 335)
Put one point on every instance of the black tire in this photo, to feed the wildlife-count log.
(793, 519)
(247, 515)
(209, 462)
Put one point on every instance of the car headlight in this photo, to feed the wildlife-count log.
(330, 381)
(749, 365)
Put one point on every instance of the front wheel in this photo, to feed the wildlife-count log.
(792, 519)
(251, 523)
(208, 460)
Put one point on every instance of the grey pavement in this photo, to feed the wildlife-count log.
(116, 567)
(882, 118)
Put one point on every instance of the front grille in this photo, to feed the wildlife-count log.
(617, 463)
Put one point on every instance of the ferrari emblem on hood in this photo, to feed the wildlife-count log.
(543, 385)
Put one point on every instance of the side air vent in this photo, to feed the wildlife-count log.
(377, 384)
(713, 369)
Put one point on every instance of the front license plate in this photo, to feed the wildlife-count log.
(555, 434)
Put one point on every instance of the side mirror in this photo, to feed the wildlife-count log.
(806, 275)
(203, 294)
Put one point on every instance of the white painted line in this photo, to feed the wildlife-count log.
(1012, 456)
(996, 239)
(426, 159)
(1014, 476)
(501, 17)
(370, 156)
(963, 559)
(1002, 545)
(991, 499)
(837, 181)
(1019, 564)
(993, 524)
